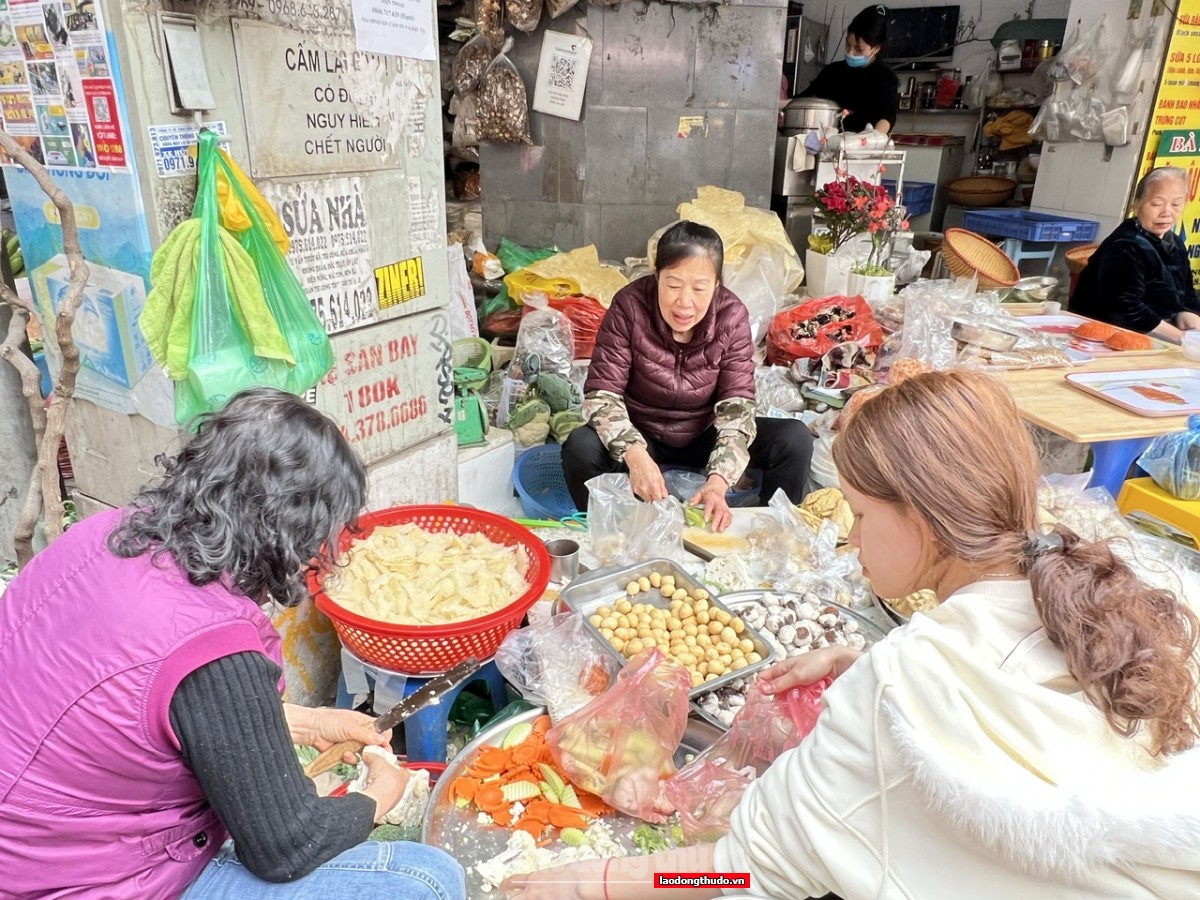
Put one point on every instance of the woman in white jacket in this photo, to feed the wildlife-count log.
(1032, 737)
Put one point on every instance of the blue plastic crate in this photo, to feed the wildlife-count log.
(1029, 226)
(918, 195)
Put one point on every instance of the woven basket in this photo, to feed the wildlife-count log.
(1077, 259)
(980, 190)
(967, 253)
(474, 352)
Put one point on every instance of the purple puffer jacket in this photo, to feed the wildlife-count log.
(670, 388)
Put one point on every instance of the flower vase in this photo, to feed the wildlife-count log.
(875, 289)
(825, 276)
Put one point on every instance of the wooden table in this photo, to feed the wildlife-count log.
(1117, 437)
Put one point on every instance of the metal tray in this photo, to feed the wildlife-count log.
(458, 832)
(608, 586)
(737, 600)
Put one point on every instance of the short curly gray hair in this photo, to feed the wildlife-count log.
(1161, 173)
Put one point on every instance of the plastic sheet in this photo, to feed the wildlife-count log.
(622, 744)
(1173, 461)
(557, 664)
(625, 530)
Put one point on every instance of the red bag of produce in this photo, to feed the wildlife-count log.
(585, 314)
(812, 329)
(622, 744)
(706, 790)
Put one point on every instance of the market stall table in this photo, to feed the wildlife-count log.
(1117, 437)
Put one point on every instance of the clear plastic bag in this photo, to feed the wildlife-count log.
(489, 16)
(984, 86)
(466, 121)
(625, 530)
(1089, 512)
(557, 7)
(557, 664)
(775, 388)
(929, 307)
(707, 789)
(470, 64)
(783, 546)
(545, 342)
(758, 280)
(503, 103)
(524, 15)
(1173, 461)
(622, 744)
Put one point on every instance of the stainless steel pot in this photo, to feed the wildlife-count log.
(809, 114)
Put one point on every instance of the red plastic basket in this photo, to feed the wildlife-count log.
(433, 649)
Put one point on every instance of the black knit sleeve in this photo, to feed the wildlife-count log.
(230, 724)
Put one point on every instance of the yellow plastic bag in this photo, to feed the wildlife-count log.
(233, 215)
(524, 282)
(579, 268)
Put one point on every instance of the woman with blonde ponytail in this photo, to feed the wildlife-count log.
(1033, 737)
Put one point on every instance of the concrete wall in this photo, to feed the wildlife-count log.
(618, 175)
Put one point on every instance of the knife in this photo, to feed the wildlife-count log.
(429, 695)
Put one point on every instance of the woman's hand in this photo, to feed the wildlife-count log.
(324, 727)
(1188, 321)
(805, 669)
(712, 498)
(645, 478)
(560, 883)
(385, 783)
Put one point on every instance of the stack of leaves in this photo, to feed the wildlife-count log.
(519, 785)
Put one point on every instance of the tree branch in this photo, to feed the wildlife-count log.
(46, 476)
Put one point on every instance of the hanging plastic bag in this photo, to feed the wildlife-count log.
(622, 744)
(625, 529)
(1173, 461)
(557, 664)
(983, 87)
(524, 15)
(311, 350)
(470, 63)
(706, 790)
(812, 329)
(489, 19)
(557, 7)
(465, 133)
(237, 195)
(545, 343)
(503, 102)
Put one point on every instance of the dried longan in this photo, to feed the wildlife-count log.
(729, 636)
(680, 595)
(746, 645)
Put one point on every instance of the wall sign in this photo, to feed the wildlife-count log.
(330, 252)
(173, 147)
(318, 106)
(400, 282)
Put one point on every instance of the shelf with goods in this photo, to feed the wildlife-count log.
(989, 150)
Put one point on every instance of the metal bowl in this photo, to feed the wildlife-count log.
(1031, 290)
(987, 338)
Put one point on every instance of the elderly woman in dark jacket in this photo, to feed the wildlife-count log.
(672, 383)
(1140, 278)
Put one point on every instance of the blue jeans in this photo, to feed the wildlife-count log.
(396, 870)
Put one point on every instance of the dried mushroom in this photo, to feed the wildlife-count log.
(503, 105)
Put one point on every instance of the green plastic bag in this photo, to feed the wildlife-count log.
(229, 308)
(294, 314)
(514, 257)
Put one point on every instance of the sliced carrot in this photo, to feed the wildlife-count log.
(539, 809)
(503, 817)
(565, 817)
(492, 758)
(532, 826)
(463, 788)
(490, 797)
(541, 724)
(527, 754)
(593, 805)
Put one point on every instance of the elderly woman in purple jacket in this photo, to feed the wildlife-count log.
(672, 383)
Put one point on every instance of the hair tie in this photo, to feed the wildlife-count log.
(1038, 544)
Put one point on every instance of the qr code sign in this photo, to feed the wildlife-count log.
(562, 72)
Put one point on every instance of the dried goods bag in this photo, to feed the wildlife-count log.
(1173, 461)
(524, 15)
(470, 64)
(503, 105)
(812, 329)
(622, 744)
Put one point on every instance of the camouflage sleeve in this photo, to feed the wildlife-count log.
(736, 428)
(606, 412)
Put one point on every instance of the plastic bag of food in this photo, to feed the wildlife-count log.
(489, 22)
(545, 342)
(586, 315)
(986, 84)
(625, 530)
(812, 329)
(1089, 512)
(707, 789)
(786, 543)
(470, 64)
(1173, 461)
(466, 121)
(503, 103)
(557, 7)
(524, 15)
(622, 744)
(558, 664)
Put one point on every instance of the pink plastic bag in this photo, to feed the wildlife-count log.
(707, 789)
(623, 743)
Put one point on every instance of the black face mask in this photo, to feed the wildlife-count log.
(1169, 241)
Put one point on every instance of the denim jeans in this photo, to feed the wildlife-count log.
(396, 870)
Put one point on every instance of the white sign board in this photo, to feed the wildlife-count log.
(326, 221)
(172, 146)
(396, 27)
(562, 75)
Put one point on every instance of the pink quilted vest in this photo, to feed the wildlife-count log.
(95, 801)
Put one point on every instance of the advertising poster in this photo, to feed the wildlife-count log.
(1175, 121)
(57, 95)
(326, 221)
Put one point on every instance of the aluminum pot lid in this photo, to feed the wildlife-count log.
(812, 103)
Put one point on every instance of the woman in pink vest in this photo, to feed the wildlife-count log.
(140, 683)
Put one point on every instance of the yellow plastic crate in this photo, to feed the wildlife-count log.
(1154, 510)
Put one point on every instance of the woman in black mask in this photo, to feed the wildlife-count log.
(860, 83)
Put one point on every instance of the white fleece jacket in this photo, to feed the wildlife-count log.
(958, 759)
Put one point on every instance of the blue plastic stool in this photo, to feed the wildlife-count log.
(1017, 251)
(1111, 461)
(424, 733)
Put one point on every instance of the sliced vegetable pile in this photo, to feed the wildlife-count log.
(518, 785)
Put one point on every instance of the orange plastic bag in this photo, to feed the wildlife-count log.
(705, 791)
(622, 744)
(812, 329)
(585, 314)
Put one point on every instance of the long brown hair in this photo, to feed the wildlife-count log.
(951, 447)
